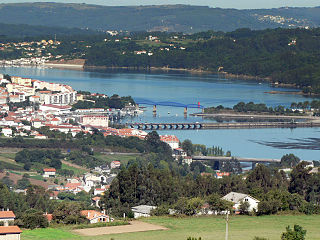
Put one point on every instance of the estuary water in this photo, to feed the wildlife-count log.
(186, 88)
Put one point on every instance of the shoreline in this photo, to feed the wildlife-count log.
(83, 67)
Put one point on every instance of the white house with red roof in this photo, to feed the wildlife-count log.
(6, 217)
(95, 216)
(10, 233)
(49, 172)
(172, 140)
(37, 123)
(40, 136)
(115, 164)
(57, 109)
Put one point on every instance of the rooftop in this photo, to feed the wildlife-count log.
(10, 229)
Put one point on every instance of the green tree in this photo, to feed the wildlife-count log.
(289, 160)
(187, 147)
(297, 233)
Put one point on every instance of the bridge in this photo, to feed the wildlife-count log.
(207, 125)
(166, 126)
(169, 104)
(251, 160)
(254, 161)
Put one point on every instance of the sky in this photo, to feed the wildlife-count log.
(240, 4)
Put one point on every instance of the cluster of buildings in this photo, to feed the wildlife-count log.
(98, 180)
(34, 53)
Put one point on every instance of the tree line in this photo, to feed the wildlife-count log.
(145, 184)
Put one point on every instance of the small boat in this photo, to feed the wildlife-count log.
(168, 112)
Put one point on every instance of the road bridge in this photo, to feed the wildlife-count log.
(217, 159)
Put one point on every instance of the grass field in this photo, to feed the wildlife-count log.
(124, 159)
(208, 228)
(77, 171)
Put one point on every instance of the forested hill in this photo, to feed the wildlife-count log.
(11, 31)
(283, 55)
(175, 18)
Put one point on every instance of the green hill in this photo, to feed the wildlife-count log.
(177, 18)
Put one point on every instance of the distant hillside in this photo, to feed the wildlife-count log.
(23, 30)
(178, 18)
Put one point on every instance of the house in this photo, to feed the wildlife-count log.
(7, 132)
(49, 172)
(142, 210)
(48, 216)
(10, 233)
(115, 164)
(220, 175)
(40, 136)
(95, 216)
(172, 140)
(6, 217)
(238, 198)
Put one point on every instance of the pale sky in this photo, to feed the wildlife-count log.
(240, 4)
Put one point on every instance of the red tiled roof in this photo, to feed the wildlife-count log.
(10, 229)
(48, 216)
(90, 214)
(49, 169)
(7, 214)
(72, 185)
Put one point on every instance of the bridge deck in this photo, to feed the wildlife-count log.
(255, 160)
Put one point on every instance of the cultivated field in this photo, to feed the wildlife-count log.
(208, 228)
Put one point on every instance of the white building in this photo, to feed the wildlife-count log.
(55, 108)
(49, 172)
(7, 132)
(172, 140)
(95, 216)
(10, 233)
(6, 217)
(238, 198)
(115, 164)
(93, 120)
(142, 210)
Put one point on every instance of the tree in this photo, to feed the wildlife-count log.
(23, 183)
(232, 166)
(297, 233)
(244, 207)
(34, 219)
(187, 147)
(299, 179)
(289, 160)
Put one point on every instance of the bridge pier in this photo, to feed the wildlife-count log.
(154, 109)
(185, 112)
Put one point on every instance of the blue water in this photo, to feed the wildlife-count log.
(209, 90)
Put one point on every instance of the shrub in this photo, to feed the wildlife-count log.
(297, 233)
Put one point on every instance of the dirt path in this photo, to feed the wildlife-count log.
(135, 226)
(74, 165)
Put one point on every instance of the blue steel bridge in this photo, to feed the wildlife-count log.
(168, 104)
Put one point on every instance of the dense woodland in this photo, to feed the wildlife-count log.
(284, 55)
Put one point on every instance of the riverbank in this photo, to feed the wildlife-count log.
(74, 64)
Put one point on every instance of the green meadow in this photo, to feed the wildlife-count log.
(208, 228)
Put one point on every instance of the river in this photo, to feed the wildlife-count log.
(186, 88)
